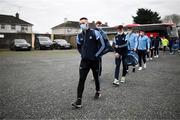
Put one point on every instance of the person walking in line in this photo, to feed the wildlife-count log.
(148, 53)
(165, 43)
(175, 45)
(90, 50)
(131, 37)
(171, 43)
(152, 40)
(120, 44)
(143, 47)
(106, 40)
(157, 43)
(178, 45)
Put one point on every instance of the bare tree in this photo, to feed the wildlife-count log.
(175, 18)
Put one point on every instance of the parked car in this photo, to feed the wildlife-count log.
(61, 44)
(43, 43)
(20, 44)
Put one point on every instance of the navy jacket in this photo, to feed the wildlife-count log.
(90, 44)
(152, 40)
(157, 42)
(121, 42)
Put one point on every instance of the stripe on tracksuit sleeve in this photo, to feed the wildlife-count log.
(99, 37)
(148, 42)
(136, 39)
(77, 40)
(114, 41)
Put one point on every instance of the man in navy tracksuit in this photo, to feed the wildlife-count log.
(151, 53)
(171, 42)
(120, 44)
(104, 36)
(157, 43)
(90, 45)
(107, 44)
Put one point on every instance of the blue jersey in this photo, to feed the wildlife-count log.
(143, 43)
(132, 41)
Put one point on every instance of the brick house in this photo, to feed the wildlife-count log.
(12, 27)
(68, 30)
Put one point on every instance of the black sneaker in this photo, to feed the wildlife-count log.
(77, 104)
(133, 70)
(97, 95)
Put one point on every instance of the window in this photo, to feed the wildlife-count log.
(13, 27)
(1, 35)
(2, 26)
(24, 28)
(69, 30)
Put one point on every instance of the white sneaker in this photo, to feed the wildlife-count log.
(157, 56)
(116, 82)
(123, 79)
(151, 59)
(171, 53)
(145, 66)
(140, 68)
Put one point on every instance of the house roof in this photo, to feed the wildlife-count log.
(74, 24)
(109, 30)
(8, 19)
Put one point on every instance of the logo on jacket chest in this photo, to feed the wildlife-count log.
(120, 38)
(90, 37)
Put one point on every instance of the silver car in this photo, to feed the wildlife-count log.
(62, 44)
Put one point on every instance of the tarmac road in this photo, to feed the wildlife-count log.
(42, 85)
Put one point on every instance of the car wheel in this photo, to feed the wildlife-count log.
(38, 47)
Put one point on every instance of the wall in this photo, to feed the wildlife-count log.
(65, 31)
(111, 36)
(8, 37)
(72, 38)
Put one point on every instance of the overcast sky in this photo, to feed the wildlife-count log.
(45, 14)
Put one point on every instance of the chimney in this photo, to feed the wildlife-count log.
(17, 15)
(65, 19)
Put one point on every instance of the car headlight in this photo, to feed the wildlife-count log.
(17, 45)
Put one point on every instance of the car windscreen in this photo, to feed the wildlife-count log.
(63, 41)
(44, 39)
(20, 41)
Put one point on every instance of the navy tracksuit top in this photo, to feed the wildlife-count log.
(90, 44)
